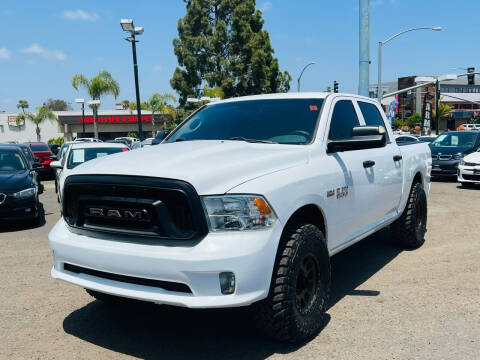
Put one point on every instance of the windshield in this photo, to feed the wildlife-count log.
(458, 139)
(79, 156)
(11, 161)
(283, 121)
(39, 147)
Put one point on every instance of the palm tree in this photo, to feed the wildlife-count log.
(22, 104)
(99, 85)
(158, 103)
(443, 110)
(43, 114)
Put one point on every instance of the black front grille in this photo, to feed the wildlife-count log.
(132, 205)
(166, 285)
(471, 177)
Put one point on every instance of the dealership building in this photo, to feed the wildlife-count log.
(464, 97)
(70, 125)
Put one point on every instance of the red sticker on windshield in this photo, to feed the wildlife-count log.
(313, 107)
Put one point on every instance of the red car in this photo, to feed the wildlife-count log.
(43, 155)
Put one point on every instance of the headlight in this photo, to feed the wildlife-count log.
(238, 212)
(458, 156)
(24, 194)
(462, 162)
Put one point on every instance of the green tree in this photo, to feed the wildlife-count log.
(98, 86)
(158, 104)
(57, 105)
(125, 104)
(222, 43)
(215, 92)
(23, 104)
(43, 113)
(443, 110)
(413, 119)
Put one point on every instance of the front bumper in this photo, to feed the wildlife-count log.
(250, 255)
(14, 209)
(445, 167)
(468, 174)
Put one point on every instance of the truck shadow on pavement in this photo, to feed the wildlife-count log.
(150, 331)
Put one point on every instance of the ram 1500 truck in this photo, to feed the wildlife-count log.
(243, 204)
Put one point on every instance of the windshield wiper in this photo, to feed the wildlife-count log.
(241, 138)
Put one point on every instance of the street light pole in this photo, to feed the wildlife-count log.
(301, 73)
(380, 46)
(127, 25)
(83, 118)
(137, 90)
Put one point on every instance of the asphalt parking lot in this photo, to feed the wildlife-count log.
(386, 303)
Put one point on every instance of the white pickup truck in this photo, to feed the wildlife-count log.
(243, 204)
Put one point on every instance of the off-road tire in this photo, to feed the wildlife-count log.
(409, 230)
(279, 316)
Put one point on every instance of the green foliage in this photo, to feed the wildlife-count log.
(133, 134)
(43, 113)
(398, 124)
(99, 85)
(125, 104)
(132, 105)
(22, 104)
(443, 110)
(413, 119)
(58, 141)
(159, 103)
(57, 105)
(221, 43)
(215, 92)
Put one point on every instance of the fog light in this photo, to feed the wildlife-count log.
(227, 282)
(28, 210)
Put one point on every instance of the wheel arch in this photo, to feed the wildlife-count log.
(310, 214)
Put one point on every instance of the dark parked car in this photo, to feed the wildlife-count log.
(54, 148)
(427, 139)
(449, 148)
(19, 187)
(43, 155)
(162, 134)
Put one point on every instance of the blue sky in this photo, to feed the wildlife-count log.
(44, 43)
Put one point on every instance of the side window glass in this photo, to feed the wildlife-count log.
(344, 119)
(370, 114)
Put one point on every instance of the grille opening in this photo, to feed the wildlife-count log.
(166, 285)
(471, 177)
(130, 205)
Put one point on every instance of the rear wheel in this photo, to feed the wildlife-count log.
(300, 287)
(409, 230)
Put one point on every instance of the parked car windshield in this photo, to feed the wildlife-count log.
(39, 147)
(79, 156)
(283, 121)
(11, 161)
(455, 139)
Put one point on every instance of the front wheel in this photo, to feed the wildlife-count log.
(300, 287)
(409, 230)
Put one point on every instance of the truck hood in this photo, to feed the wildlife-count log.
(211, 166)
(473, 157)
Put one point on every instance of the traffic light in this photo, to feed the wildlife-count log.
(335, 87)
(471, 77)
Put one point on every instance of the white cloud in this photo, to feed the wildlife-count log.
(4, 53)
(80, 15)
(36, 49)
(267, 5)
(157, 67)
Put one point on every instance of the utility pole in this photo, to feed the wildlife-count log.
(437, 99)
(364, 48)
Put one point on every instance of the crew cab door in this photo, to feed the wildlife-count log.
(348, 182)
(386, 173)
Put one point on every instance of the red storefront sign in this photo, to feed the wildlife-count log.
(123, 119)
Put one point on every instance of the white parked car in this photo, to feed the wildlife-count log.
(469, 169)
(406, 139)
(87, 140)
(78, 153)
(243, 204)
(471, 126)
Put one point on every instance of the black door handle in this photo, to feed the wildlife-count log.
(368, 163)
(397, 158)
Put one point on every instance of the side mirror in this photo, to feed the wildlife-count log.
(56, 164)
(363, 137)
(37, 165)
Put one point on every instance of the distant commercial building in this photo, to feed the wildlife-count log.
(457, 93)
(111, 124)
